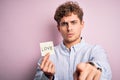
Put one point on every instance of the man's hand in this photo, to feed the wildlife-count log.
(47, 67)
(85, 71)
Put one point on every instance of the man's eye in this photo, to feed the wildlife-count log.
(63, 24)
(73, 22)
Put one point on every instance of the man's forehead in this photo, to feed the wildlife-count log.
(70, 18)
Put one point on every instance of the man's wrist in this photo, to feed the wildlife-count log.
(98, 68)
(50, 77)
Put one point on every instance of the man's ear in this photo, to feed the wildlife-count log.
(82, 24)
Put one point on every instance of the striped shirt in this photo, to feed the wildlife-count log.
(65, 61)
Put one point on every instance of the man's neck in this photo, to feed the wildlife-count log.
(72, 43)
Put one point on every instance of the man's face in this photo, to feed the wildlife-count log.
(70, 28)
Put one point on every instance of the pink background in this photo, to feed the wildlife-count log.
(26, 23)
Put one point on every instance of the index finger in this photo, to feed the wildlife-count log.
(44, 60)
(46, 56)
(80, 67)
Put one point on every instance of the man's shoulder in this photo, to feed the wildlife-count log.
(92, 46)
(95, 47)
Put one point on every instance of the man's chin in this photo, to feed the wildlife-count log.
(69, 40)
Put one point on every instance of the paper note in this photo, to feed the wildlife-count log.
(46, 47)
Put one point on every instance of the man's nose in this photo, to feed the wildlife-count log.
(69, 27)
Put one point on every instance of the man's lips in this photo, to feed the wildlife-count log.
(70, 34)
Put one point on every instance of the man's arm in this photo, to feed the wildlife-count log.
(86, 71)
(97, 69)
(45, 70)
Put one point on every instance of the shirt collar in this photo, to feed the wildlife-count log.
(75, 47)
(78, 46)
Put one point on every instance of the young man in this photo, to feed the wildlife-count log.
(74, 59)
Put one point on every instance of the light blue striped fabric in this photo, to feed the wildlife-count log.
(65, 61)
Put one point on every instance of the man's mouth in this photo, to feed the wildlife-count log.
(70, 34)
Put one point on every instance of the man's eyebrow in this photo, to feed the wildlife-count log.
(63, 22)
(69, 21)
(73, 20)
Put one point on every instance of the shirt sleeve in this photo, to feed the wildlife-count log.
(99, 58)
(40, 75)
